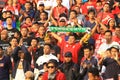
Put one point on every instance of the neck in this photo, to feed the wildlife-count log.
(1, 56)
(108, 42)
(59, 5)
(9, 26)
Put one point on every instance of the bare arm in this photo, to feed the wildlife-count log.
(56, 37)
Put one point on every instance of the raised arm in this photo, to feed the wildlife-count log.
(56, 37)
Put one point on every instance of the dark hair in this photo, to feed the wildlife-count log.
(28, 17)
(8, 17)
(117, 26)
(1, 47)
(45, 14)
(63, 15)
(91, 11)
(108, 31)
(87, 47)
(46, 44)
(73, 11)
(35, 39)
(9, 12)
(14, 38)
(53, 61)
(94, 71)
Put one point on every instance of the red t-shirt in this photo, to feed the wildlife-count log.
(59, 10)
(73, 48)
(59, 76)
(116, 39)
(99, 39)
(105, 17)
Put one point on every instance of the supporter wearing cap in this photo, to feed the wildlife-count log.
(105, 15)
(69, 68)
(112, 63)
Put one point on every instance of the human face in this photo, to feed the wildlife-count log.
(114, 52)
(28, 21)
(59, 2)
(43, 16)
(14, 42)
(71, 39)
(4, 35)
(67, 59)
(24, 32)
(108, 37)
(87, 53)
(106, 8)
(41, 30)
(79, 1)
(51, 68)
(35, 28)
(91, 15)
(27, 6)
(62, 23)
(34, 43)
(91, 76)
(72, 15)
(9, 21)
(46, 49)
(112, 23)
(117, 31)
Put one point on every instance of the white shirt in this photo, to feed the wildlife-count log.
(103, 47)
(45, 58)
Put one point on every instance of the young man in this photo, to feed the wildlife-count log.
(88, 61)
(59, 9)
(69, 68)
(109, 42)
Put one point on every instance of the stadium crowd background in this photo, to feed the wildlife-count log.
(29, 50)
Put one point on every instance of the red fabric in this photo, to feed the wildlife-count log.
(59, 76)
(22, 1)
(83, 10)
(59, 10)
(116, 39)
(99, 39)
(74, 48)
(104, 17)
(10, 8)
(116, 10)
(88, 5)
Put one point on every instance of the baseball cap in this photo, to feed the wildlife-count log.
(115, 46)
(62, 19)
(68, 54)
(41, 4)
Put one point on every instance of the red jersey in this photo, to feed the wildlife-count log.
(73, 48)
(105, 17)
(59, 76)
(99, 39)
(59, 10)
(116, 39)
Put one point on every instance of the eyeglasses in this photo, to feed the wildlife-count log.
(50, 66)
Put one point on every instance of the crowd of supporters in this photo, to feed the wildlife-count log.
(30, 50)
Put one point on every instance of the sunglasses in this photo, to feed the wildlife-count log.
(50, 66)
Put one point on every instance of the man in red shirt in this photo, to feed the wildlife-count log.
(59, 9)
(69, 45)
(105, 16)
(116, 37)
